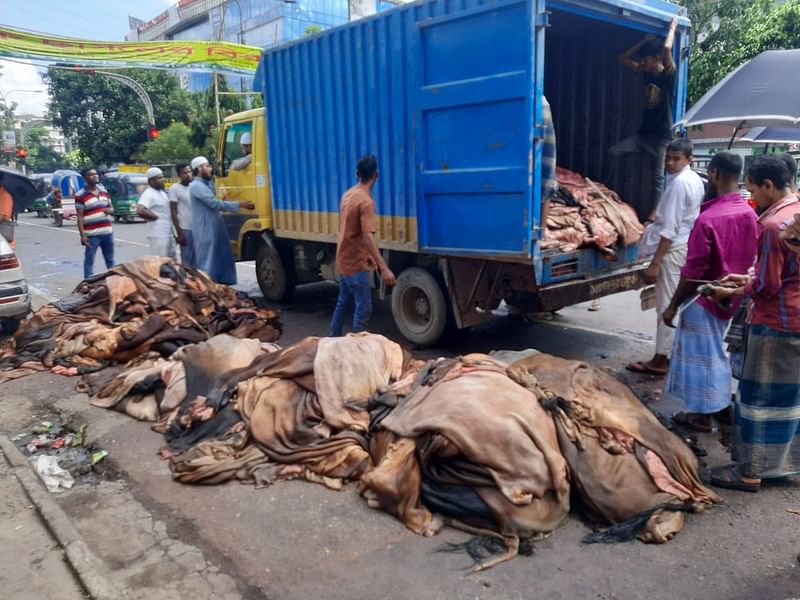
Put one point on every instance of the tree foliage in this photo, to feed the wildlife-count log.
(107, 118)
(728, 33)
(41, 157)
(172, 146)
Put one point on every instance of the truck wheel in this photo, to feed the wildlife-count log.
(116, 218)
(58, 219)
(275, 277)
(419, 306)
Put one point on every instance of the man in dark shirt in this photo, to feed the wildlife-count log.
(654, 61)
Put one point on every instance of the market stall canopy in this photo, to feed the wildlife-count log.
(763, 92)
(21, 188)
(772, 135)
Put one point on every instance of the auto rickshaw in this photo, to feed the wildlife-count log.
(124, 189)
(43, 183)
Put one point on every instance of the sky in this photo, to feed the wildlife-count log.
(105, 20)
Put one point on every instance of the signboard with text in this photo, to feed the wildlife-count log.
(9, 141)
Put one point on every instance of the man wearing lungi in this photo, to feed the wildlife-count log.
(766, 432)
(723, 240)
(665, 240)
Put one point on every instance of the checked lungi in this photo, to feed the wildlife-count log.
(766, 435)
(699, 371)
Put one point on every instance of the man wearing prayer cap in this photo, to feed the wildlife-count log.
(154, 208)
(240, 164)
(213, 253)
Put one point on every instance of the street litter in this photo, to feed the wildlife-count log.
(54, 477)
(67, 448)
(504, 445)
(98, 456)
(149, 306)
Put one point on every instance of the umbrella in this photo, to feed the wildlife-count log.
(19, 186)
(763, 92)
(772, 135)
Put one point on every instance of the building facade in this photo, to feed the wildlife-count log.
(262, 23)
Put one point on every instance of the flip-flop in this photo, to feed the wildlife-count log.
(730, 478)
(645, 369)
(688, 420)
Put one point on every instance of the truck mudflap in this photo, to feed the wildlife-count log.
(580, 290)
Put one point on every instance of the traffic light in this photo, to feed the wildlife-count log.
(153, 133)
(22, 154)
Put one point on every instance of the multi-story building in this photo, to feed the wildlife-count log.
(262, 23)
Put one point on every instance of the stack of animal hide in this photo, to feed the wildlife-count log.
(475, 442)
(586, 213)
(151, 304)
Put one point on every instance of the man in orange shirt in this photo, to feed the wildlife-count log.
(7, 213)
(357, 253)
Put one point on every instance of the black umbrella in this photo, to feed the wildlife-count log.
(20, 187)
(772, 135)
(764, 91)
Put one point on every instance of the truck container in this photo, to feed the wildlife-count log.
(448, 95)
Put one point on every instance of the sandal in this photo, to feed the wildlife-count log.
(730, 478)
(646, 369)
(692, 421)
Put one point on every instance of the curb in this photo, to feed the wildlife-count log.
(90, 570)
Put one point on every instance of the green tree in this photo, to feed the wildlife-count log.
(106, 117)
(728, 33)
(172, 146)
(203, 118)
(41, 157)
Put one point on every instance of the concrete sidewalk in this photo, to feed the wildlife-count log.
(32, 564)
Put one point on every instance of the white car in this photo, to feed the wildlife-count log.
(15, 299)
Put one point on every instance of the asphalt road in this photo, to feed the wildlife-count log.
(298, 540)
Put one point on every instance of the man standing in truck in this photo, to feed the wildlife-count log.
(654, 61)
(357, 252)
(666, 239)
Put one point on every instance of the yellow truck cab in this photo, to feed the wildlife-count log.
(250, 231)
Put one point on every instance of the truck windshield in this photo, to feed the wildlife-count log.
(235, 146)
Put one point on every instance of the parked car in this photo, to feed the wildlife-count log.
(124, 189)
(43, 183)
(15, 299)
(69, 182)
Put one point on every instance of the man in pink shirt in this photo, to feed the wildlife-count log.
(723, 240)
(766, 433)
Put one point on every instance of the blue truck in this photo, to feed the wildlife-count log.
(448, 95)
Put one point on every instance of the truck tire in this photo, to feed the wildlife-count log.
(419, 306)
(275, 276)
(58, 219)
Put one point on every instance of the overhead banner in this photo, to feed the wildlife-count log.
(191, 55)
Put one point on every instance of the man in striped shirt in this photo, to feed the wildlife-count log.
(93, 207)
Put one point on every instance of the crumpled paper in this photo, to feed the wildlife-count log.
(54, 477)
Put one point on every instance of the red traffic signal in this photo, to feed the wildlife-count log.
(153, 133)
(22, 153)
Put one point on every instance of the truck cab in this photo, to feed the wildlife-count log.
(250, 232)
